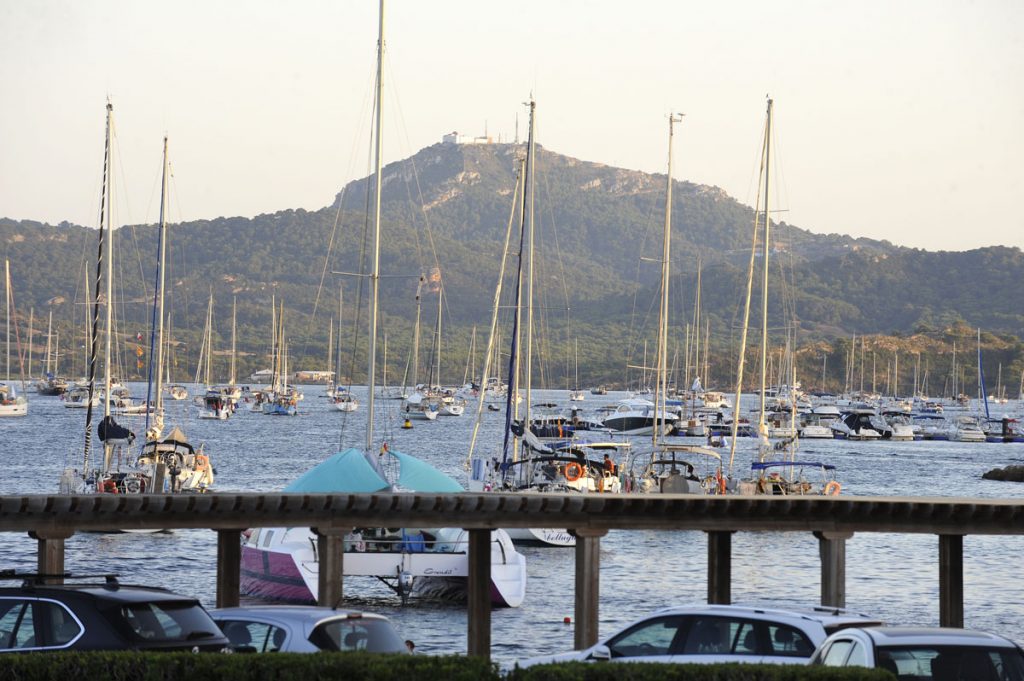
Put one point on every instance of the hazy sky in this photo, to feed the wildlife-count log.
(899, 120)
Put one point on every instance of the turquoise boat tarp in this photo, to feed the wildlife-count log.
(349, 472)
(344, 472)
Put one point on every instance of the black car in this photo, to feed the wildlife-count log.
(105, 615)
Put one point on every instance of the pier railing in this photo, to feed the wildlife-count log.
(833, 520)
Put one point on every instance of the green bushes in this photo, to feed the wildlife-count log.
(583, 671)
(134, 666)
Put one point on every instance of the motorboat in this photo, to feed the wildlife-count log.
(816, 424)
(420, 406)
(281, 563)
(859, 424)
(965, 429)
(215, 406)
(636, 416)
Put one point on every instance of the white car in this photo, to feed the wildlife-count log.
(925, 653)
(718, 633)
(306, 629)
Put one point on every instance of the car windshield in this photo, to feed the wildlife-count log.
(167, 621)
(952, 663)
(363, 633)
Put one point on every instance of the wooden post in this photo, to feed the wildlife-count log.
(50, 553)
(479, 592)
(229, 566)
(720, 567)
(951, 580)
(330, 551)
(588, 581)
(832, 549)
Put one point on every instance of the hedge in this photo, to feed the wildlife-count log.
(584, 671)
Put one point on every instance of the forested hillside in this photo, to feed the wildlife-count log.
(598, 231)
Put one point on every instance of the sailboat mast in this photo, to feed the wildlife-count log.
(661, 387)
(375, 271)
(531, 160)
(7, 313)
(161, 279)
(764, 281)
(234, 319)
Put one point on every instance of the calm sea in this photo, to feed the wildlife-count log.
(891, 576)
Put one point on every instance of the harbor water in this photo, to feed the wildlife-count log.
(894, 577)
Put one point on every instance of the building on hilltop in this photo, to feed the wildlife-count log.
(455, 138)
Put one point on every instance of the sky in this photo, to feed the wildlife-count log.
(901, 120)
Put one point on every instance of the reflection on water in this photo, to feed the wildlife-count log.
(891, 576)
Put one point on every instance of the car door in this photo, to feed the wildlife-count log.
(785, 644)
(717, 638)
(649, 641)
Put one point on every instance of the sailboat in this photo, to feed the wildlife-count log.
(283, 562)
(341, 397)
(51, 382)
(773, 472)
(212, 403)
(11, 403)
(282, 400)
(165, 464)
(418, 404)
(528, 464)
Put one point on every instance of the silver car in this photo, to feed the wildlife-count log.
(306, 629)
(925, 653)
(718, 633)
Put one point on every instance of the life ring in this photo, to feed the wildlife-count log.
(202, 461)
(832, 488)
(573, 471)
(133, 486)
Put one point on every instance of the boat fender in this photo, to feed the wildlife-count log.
(109, 486)
(833, 488)
(573, 471)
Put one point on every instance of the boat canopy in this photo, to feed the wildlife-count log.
(420, 476)
(350, 472)
(346, 471)
(763, 465)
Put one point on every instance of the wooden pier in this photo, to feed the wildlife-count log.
(833, 520)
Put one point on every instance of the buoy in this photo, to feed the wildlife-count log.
(407, 425)
(566, 620)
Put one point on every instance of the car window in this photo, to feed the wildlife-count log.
(168, 621)
(265, 638)
(10, 616)
(721, 636)
(955, 663)
(363, 633)
(858, 657)
(836, 654)
(651, 637)
(787, 641)
(35, 624)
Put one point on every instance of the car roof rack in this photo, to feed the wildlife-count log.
(40, 578)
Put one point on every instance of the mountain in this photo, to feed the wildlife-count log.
(598, 230)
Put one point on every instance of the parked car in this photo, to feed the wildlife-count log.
(922, 653)
(306, 629)
(718, 633)
(101, 616)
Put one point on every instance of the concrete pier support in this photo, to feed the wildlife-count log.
(951, 580)
(832, 549)
(330, 554)
(720, 567)
(229, 566)
(50, 553)
(479, 594)
(588, 582)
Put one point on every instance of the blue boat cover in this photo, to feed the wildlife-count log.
(762, 465)
(420, 476)
(350, 472)
(346, 471)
